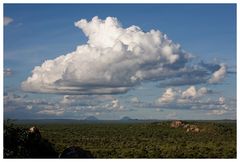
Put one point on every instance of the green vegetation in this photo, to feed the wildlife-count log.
(143, 140)
(19, 143)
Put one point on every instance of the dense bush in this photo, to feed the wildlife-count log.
(143, 140)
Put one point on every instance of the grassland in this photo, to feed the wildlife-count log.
(216, 139)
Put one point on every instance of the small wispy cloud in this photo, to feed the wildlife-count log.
(216, 112)
(8, 72)
(7, 20)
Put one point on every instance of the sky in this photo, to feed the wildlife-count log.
(144, 61)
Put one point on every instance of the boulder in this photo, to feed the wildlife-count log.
(177, 123)
(191, 128)
(186, 126)
(34, 134)
(75, 152)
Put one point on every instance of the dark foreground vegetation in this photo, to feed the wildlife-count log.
(188, 139)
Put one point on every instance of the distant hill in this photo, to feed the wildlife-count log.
(91, 118)
(126, 118)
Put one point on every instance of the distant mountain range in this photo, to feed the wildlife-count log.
(126, 118)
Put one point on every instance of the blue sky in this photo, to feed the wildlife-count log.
(43, 32)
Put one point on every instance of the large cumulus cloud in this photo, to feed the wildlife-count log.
(113, 61)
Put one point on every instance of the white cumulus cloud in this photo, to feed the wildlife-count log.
(218, 75)
(113, 60)
(221, 100)
(192, 92)
(168, 96)
(115, 104)
(178, 96)
(135, 100)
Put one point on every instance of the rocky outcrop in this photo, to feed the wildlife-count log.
(192, 128)
(176, 124)
(34, 134)
(188, 127)
(26, 143)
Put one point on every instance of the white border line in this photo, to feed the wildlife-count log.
(116, 1)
